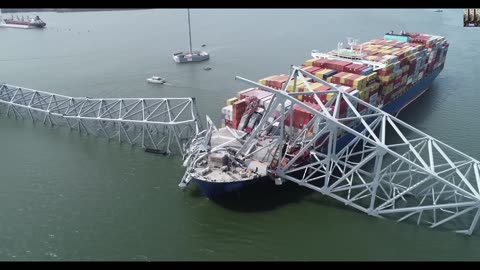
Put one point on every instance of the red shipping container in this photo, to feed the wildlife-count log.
(301, 116)
(343, 110)
(314, 106)
(337, 65)
(320, 63)
(336, 78)
(398, 79)
(385, 72)
(349, 89)
(260, 94)
(361, 69)
(277, 81)
(360, 107)
(311, 70)
(350, 80)
(238, 109)
(234, 124)
(287, 118)
(322, 97)
(354, 68)
(329, 64)
(342, 64)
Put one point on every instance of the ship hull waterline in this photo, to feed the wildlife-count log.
(213, 190)
(20, 26)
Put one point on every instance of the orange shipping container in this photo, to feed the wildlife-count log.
(309, 62)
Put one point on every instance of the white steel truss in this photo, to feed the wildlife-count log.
(381, 165)
(165, 125)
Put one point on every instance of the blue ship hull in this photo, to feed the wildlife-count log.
(215, 189)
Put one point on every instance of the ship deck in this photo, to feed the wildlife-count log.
(249, 169)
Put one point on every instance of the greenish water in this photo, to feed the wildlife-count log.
(70, 197)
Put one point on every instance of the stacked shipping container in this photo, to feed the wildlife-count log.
(403, 64)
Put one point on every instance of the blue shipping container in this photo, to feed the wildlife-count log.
(366, 71)
(397, 38)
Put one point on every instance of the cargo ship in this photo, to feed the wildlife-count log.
(24, 23)
(388, 73)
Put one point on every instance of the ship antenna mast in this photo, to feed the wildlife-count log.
(352, 42)
(189, 31)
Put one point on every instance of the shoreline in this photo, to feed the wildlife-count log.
(62, 10)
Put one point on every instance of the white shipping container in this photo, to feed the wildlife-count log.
(410, 79)
(244, 91)
(265, 101)
(227, 112)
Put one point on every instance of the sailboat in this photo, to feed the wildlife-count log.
(192, 55)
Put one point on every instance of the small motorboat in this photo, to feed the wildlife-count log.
(156, 79)
(207, 68)
(438, 10)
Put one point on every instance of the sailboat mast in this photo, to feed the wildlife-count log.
(189, 31)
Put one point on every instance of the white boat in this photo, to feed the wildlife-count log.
(156, 79)
(192, 55)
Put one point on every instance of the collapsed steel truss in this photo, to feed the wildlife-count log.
(383, 167)
(163, 124)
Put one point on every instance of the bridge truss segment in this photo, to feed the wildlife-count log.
(165, 125)
(370, 160)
